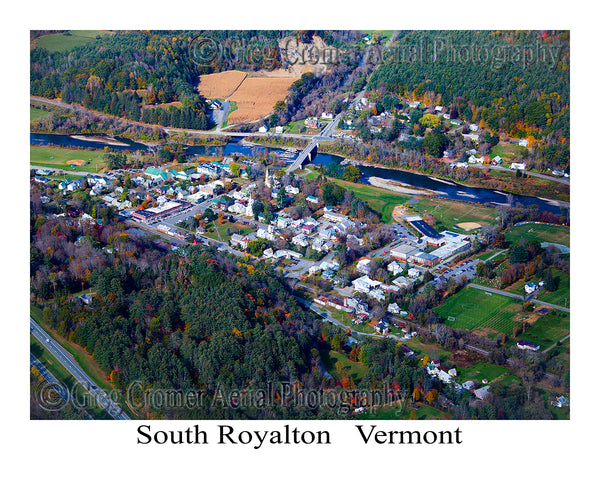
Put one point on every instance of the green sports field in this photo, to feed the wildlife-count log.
(473, 309)
(541, 233)
(53, 157)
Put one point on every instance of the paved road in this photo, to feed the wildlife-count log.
(552, 178)
(67, 361)
(58, 387)
(328, 318)
(519, 297)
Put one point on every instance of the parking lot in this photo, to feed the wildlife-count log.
(467, 269)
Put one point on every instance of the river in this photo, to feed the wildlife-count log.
(443, 188)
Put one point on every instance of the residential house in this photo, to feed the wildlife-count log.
(365, 284)
(239, 240)
(364, 266)
(518, 166)
(525, 345)
(530, 287)
(393, 308)
(394, 268)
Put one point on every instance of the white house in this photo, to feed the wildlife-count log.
(363, 266)
(278, 129)
(327, 116)
(300, 240)
(413, 273)
(394, 268)
(523, 143)
(365, 284)
(530, 287)
(518, 166)
(263, 129)
(473, 127)
(393, 308)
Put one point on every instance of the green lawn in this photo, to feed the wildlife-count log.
(472, 309)
(35, 113)
(354, 370)
(424, 412)
(53, 157)
(219, 232)
(432, 350)
(561, 296)
(295, 127)
(59, 42)
(507, 152)
(548, 329)
(509, 380)
(541, 233)
(480, 372)
(379, 199)
(346, 319)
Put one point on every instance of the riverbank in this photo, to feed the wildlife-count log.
(397, 186)
(501, 182)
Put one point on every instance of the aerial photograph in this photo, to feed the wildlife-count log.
(364, 225)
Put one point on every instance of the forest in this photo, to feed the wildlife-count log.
(504, 98)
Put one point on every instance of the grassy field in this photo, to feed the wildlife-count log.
(448, 212)
(354, 370)
(346, 319)
(424, 412)
(379, 199)
(562, 296)
(507, 152)
(35, 113)
(59, 42)
(53, 157)
(432, 350)
(548, 329)
(481, 371)
(219, 232)
(473, 309)
(541, 233)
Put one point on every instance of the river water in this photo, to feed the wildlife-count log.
(443, 188)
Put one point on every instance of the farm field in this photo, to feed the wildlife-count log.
(59, 42)
(256, 97)
(474, 309)
(541, 233)
(53, 157)
(220, 85)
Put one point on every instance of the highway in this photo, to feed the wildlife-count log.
(51, 380)
(67, 361)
